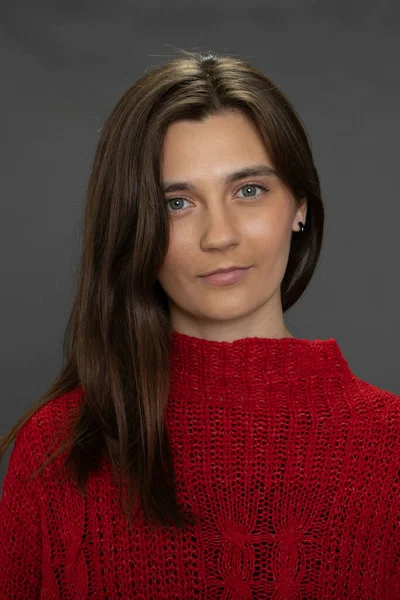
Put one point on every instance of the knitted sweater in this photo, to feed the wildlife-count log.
(288, 461)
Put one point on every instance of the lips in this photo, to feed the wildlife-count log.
(228, 270)
(226, 277)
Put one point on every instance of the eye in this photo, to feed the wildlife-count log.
(177, 200)
(246, 187)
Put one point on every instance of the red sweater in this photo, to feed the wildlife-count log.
(290, 463)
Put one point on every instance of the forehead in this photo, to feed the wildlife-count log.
(212, 146)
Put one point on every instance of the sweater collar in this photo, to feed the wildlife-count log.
(252, 358)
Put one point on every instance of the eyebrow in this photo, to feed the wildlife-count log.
(251, 171)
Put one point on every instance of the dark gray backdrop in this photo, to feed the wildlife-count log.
(64, 65)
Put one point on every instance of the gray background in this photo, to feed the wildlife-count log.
(64, 66)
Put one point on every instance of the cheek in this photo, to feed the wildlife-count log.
(267, 234)
(180, 246)
(176, 263)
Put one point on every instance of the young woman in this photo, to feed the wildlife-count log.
(191, 447)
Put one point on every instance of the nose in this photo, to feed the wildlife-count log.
(219, 228)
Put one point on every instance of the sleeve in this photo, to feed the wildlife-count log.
(394, 562)
(394, 519)
(20, 524)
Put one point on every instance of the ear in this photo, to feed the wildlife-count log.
(301, 214)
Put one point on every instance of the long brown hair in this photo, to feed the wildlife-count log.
(116, 343)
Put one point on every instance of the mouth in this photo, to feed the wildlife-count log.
(227, 270)
(226, 277)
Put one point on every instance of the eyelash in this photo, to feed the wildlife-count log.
(262, 187)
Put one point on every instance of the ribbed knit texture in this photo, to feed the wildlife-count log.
(289, 463)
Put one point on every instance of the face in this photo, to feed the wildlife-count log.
(218, 223)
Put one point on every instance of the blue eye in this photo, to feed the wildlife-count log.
(253, 185)
(246, 185)
(177, 200)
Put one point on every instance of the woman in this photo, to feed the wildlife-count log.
(191, 447)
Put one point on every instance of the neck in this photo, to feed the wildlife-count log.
(229, 335)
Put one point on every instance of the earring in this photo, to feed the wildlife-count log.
(301, 225)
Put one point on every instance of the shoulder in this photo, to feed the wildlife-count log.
(56, 414)
(380, 407)
(375, 396)
(370, 419)
(40, 435)
(57, 411)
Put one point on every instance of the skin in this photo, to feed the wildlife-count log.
(223, 224)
